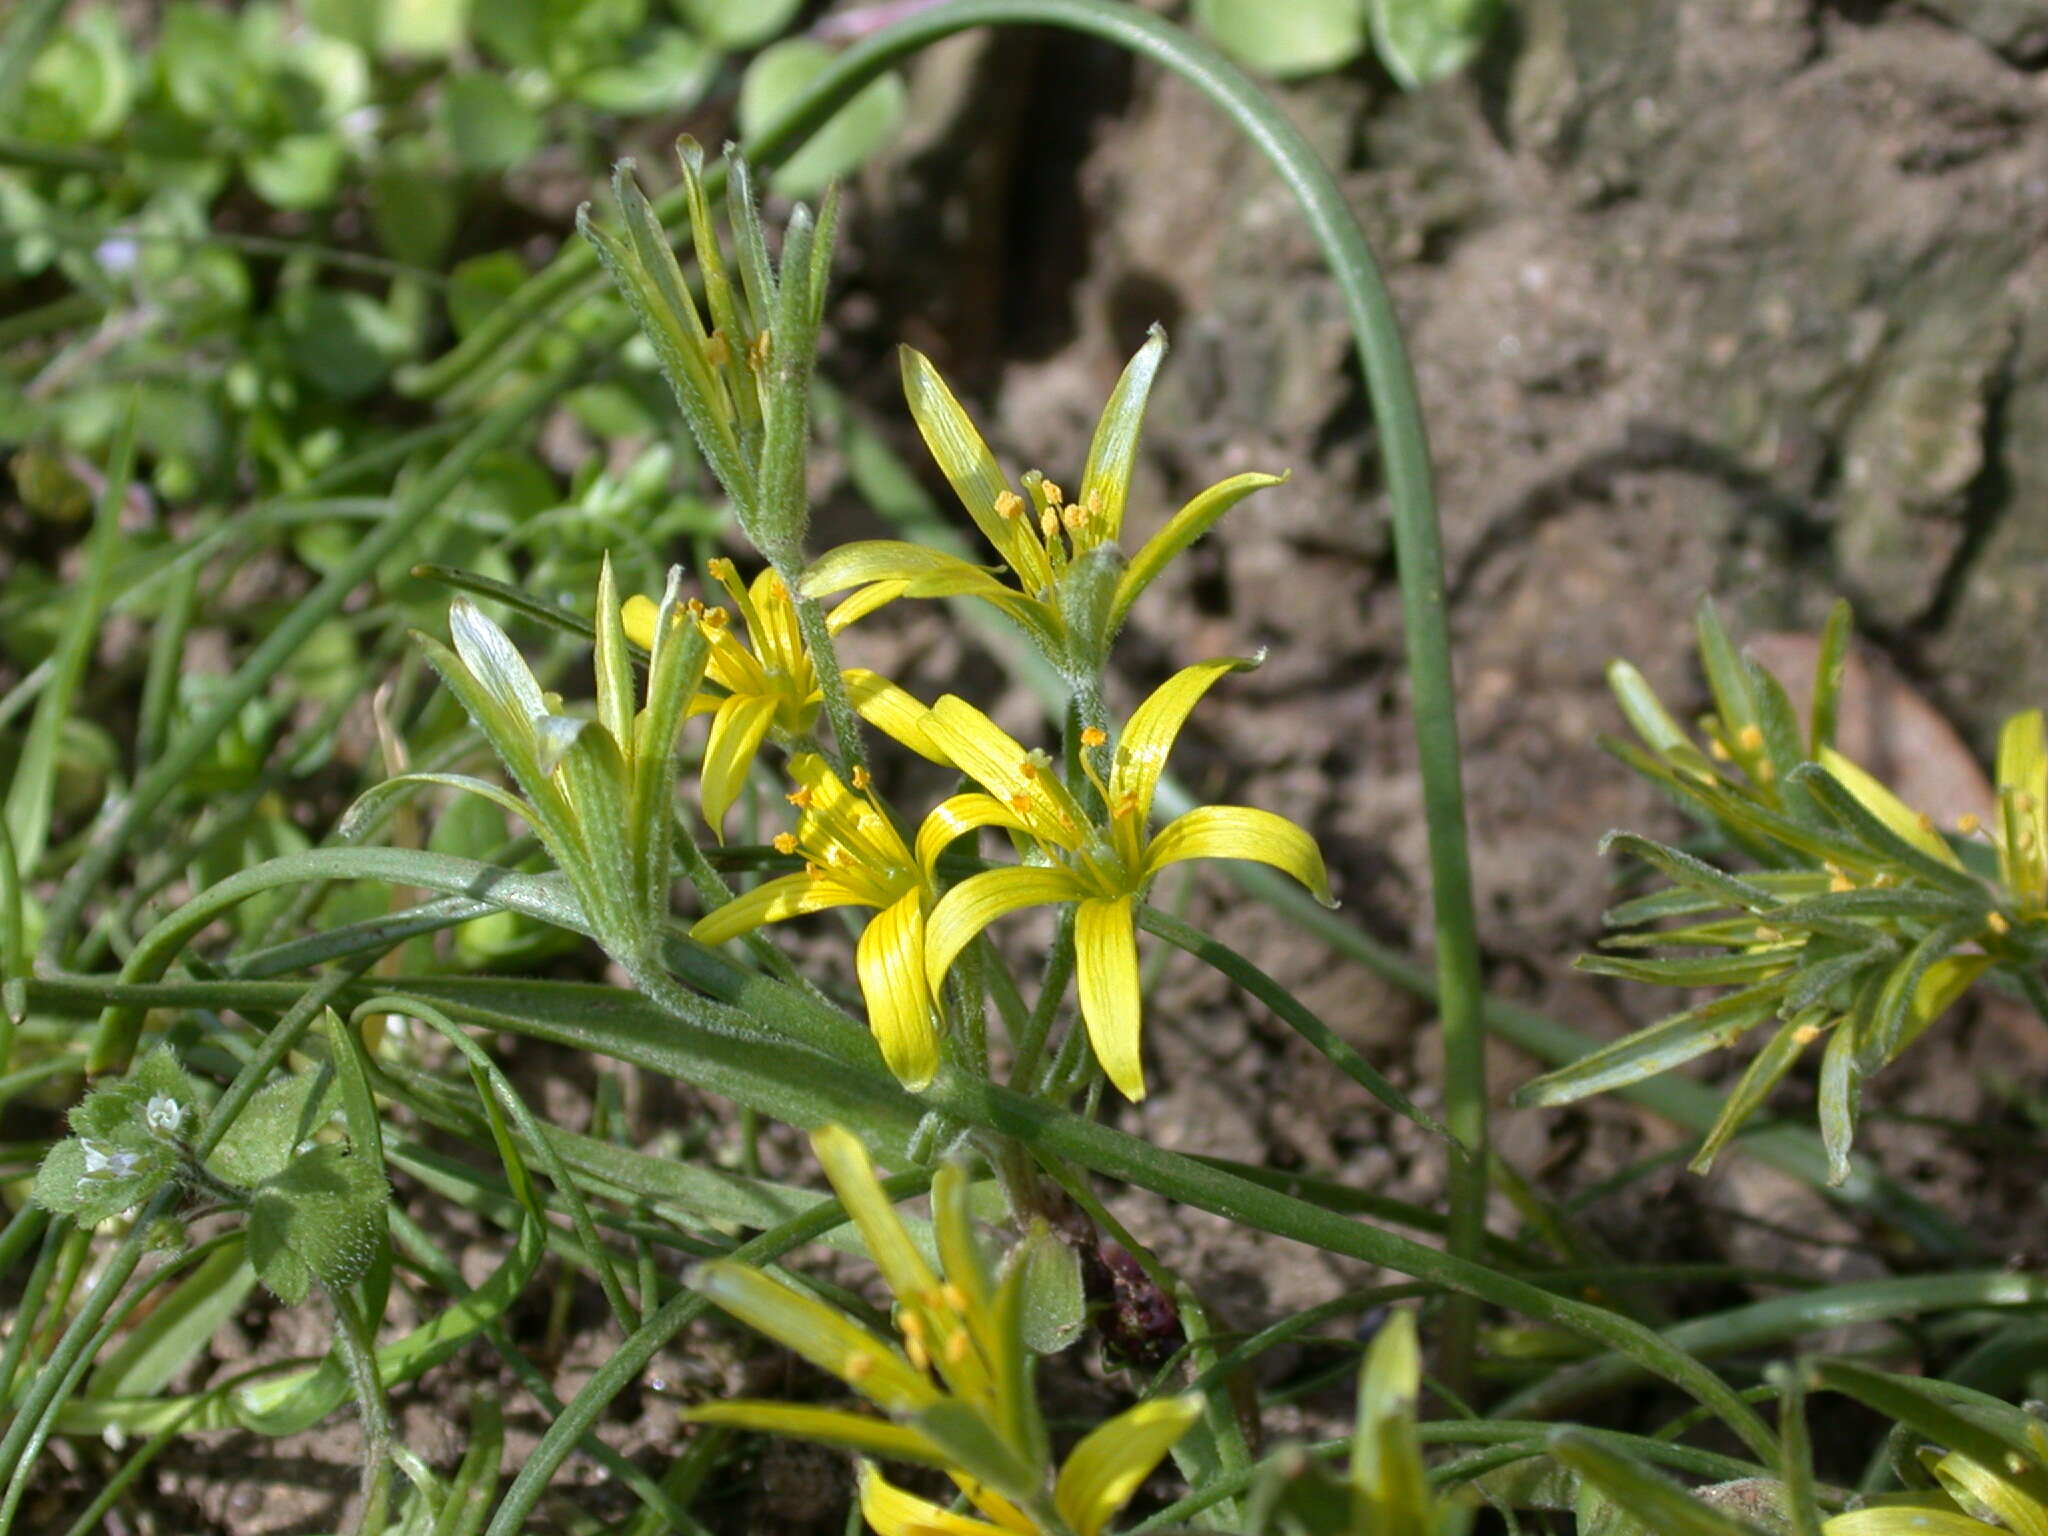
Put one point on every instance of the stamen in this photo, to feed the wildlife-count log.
(785, 842)
(800, 797)
(1997, 924)
(1806, 1034)
(1009, 506)
(862, 779)
(953, 1296)
(1768, 935)
(1049, 523)
(1028, 768)
(1717, 750)
(956, 1348)
(1967, 823)
(1053, 496)
(717, 350)
(1074, 517)
(1925, 821)
(859, 1366)
(1094, 736)
(1752, 738)
(1021, 803)
(762, 349)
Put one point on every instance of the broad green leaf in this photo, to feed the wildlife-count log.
(414, 203)
(267, 1133)
(93, 1181)
(774, 80)
(320, 1220)
(663, 73)
(1297, 37)
(1422, 41)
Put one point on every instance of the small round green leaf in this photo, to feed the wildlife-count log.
(489, 126)
(1301, 37)
(737, 23)
(778, 76)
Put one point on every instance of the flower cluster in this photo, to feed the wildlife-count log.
(1861, 921)
(954, 1383)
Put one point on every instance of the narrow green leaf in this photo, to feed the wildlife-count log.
(1659, 1503)
(1827, 677)
(1664, 1045)
(1766, 1070)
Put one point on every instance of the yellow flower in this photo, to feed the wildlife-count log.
(853, 856)
(955, 1382)
(1040, 535)
(1105, 869)
(2022, 832)
(770, 688)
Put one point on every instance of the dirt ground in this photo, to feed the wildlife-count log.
(1740, 297)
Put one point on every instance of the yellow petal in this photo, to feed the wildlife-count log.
(823, 1335)
(1106, 479)
(994, 759)
(890, 1511)
(2023, 805)
(868, 560)
(1106, 962)
(896, 712)
(1141, 750)
(638, 617)
(1888, 808)
(1240, 832)
(1939, 988)
(978, 901)
(890, 962)
(955, 818)
(1906, 1520)
(961, 453)
(876, 594)
(737, 730)
(854, 1431)
(770, 902)
(1179, 532)
(852, 1174)
(1110, 1464)
(1972, 1484)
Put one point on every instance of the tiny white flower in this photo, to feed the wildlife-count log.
(164, 1114)
(103, 1164)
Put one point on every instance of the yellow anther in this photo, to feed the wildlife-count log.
(1048, 522)
(814, 872)
(721, 569)
(696, 607)
(862, 779)
(1009, 505)
(1840, 882)
(1806, 1034)
(1925, 821)
(717, 350)
(1883, 880)
(785, 842)
(953, 1296)
(1967, 823)
(911, 1325)
(800, 797)
(714, 619)
(1717, 751)
(1094, 736)
(1768, 935)
(859, 1366)
(2023, 801)
(762, 349)
(956, 1349)
(776, 590)
(1028, 768)
(1020, 803)
(1752, 738)
(1997, 924)
(1074, 517)
(1053, 496)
